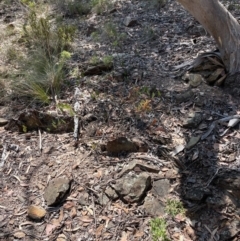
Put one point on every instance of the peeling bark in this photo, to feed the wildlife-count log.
(223, 27)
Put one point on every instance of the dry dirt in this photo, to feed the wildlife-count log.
(137, 99)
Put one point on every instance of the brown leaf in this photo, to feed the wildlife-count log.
(120, 207)
(180, 217)
(60, 216)
(55, 222)
(124, 236)
(189, 231)
(85, 224)
(86, 219)
(99, 230)
(73, 212)
(68, 205)
(49, 228)
(139, 234)
(107, 235)
(19, 234)
(107, 219)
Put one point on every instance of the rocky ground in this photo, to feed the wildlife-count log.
(147, 138)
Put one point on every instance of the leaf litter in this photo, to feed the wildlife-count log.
(137, 98)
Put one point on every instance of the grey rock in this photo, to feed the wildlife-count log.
(57, 190)
(131, 188)
(161, 187)
(153, 207)
(185, 96)
(103, 199)
(193, 120)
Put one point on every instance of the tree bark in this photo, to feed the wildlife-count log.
(223, 27)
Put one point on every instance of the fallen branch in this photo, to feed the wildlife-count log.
(213, 125)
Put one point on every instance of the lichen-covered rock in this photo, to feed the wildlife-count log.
(57, 190)
(132, 188)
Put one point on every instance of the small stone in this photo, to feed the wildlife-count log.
(3, 122)
(193, 141)
(129, 22)
(83, 199)
(121, 144)
(193, 120)
(111, 193)
(36, 212)
(141, 146)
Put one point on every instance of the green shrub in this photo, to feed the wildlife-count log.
(74, 7)
(174, 207)
(41, 33)
(28, 3)
(106, 60)
(110, 33)
(101, 6)
(159, 229)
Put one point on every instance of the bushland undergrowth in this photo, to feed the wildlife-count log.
(47, 50)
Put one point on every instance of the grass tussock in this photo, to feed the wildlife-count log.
(110, 33)
(47, 51)
(71, 8)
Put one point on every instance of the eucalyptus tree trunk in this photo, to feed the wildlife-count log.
(223, 27)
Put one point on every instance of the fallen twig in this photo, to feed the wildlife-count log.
(5, 155)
